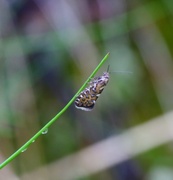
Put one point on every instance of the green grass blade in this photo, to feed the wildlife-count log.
(30, 141)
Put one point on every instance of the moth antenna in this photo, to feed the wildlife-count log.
(129, 72)
(108, 68)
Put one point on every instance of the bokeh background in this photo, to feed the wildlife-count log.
(49, 48)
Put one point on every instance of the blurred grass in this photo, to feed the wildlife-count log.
(43, 65)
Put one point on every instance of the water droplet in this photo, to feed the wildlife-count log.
(45, 131)
(24, 150)
(33, 141)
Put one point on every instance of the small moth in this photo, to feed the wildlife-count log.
(87, 98)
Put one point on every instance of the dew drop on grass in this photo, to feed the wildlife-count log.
(24, 150)
(45, 131)
(33, 141)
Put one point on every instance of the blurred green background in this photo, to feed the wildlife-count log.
(49, 48)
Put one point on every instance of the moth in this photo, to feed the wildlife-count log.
(88, 97)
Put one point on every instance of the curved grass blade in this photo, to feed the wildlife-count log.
(30, 141)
